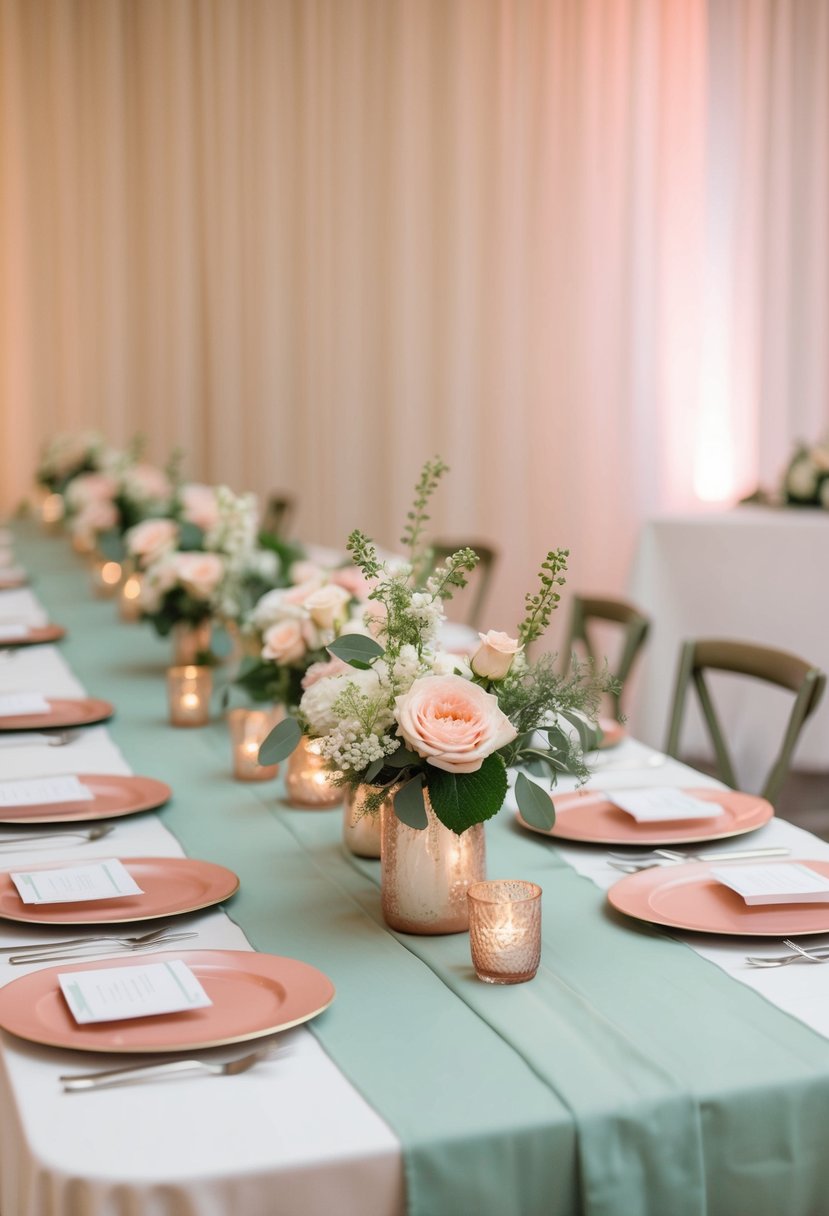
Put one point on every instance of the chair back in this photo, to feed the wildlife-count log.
(777, 667)
(278, 513)
(480, 583)
(585, 611)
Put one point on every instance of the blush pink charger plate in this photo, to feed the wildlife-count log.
(171, 886)
(37, 635)
(113, 796)
(63, 711)
(253, 995)
(589, 817)
(688, 897)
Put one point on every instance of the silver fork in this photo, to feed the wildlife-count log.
(84, 835)
(820, 954)
(73, 1082)
(118, 945)
(659, 857)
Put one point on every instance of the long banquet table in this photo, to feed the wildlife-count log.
(634, 1075)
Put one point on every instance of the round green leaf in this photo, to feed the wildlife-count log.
(534, 803)
(280, 742)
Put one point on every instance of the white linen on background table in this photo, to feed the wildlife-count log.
(754, 574)
(293, 1135)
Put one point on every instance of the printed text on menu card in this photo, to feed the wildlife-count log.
(107, 879)
(110, 994)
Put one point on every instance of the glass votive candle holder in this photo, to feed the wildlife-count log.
(505, 930)
(307, 784)
(188, 692)
(248, 730)
(361, 828)
(106, 578)
(52, 511)
(129, 600)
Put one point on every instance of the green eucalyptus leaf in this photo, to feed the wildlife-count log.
(372, 770)
(190, 536)
(409, 806)
(356, 650)
(534, 803)
(401, 758)
(279, 744)
(588, 736)
(462, 799)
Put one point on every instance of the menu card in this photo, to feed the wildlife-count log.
(38, 791)
(110, 994)
(661, 804)
(18, 704)
(107, 879)
(12, 633)
(786, 883)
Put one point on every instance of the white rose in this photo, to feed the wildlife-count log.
(284, 643)
(151, 539)
(452, 723)
(495, 655)
(327, 606)
(199, 573)
(445, 664)
(307, 572)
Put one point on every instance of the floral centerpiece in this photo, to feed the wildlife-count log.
(429, 727)
(205, 562)
(67, 456)
(103, 506)
(806, 479)
(290, 629)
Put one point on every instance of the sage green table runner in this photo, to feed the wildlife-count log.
(630, 1077)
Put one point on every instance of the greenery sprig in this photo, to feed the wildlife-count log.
(540, 607)
(417, 518)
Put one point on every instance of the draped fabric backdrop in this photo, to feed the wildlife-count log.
(578, 247)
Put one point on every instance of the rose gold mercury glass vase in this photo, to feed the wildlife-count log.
(307, 784)
(425, 874)
(190, 642)
(361, 830)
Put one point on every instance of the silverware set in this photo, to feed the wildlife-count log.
(40, 738)
(632, 863)
(815, 954)
(85, 947)
(74, 1082)
(82, 836)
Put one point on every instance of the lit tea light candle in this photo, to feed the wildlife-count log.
(308, 780)
(248, 730)
(505, 930)
(188, 692)
(129, 603)
(106, 578)
(52, 510)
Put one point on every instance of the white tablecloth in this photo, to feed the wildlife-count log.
(292, 1137)
(753, 574)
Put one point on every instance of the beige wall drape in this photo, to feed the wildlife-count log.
(578, 247)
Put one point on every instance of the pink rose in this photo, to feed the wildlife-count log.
(452, 723)
(354, 581)
(89, 488)
(199, 506)
(151, 539)
(307, 572)
(199, 573)
(95, 516)
(284, 642)
(326, 606)
(145, 481)
(320, 671)
(495, 655)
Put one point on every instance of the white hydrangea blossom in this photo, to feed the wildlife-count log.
(427, 610)
(347, 748)
(236, 529)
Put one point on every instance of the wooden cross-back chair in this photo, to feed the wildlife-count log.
(587, 610)
(777, 667)
(480, 583)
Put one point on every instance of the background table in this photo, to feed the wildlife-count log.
(755, 574)
(633, 1076)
